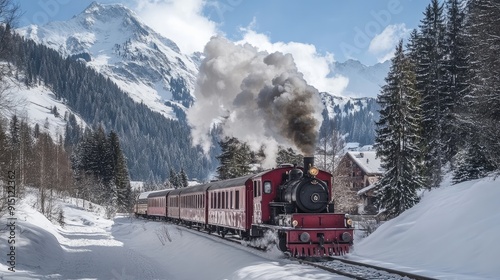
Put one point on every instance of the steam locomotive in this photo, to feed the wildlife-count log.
(293, 203)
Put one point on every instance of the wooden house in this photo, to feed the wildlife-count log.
(353, 182)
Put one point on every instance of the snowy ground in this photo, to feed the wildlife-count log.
(451, 234)
(91, 247)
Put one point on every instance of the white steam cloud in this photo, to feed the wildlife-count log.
(259, 98)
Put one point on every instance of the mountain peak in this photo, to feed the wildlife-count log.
(106, 12)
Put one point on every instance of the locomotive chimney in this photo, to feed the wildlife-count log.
(308, 163)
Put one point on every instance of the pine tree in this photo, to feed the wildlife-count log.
(174, 179)
(183, 178)
(483, 100)
(430, 70)
(235, 159)
(455, 78)
(398, 137)
(471, 164)
(121, 177)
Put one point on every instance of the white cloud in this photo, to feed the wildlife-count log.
(179, 20)
(315, 66)
(384, 44)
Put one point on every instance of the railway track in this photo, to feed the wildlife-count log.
(337, 265)
(361, 271)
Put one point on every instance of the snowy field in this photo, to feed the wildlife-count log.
(451, 234)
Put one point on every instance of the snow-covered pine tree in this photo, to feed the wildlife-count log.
(183, 178)
(174, 179)
(430, 70)
(471, 163)
(234, 160)
(398, 138)
(455, 78)
(483, 29)
(121, 176)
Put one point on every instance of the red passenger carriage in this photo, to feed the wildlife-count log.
(157, 204)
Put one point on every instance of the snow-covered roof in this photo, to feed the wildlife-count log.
(366, 189)
(144, 195)
(367, 161)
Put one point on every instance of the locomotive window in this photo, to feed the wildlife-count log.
(237, 200)
(267, 187)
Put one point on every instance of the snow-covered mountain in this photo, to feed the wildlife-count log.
(114, 41)
(364, 81)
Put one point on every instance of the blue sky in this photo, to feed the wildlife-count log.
(342, 28)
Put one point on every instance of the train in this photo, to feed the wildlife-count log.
(293, 203)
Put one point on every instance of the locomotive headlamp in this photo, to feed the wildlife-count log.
(313, 171)
(295, 223)
(348, 221)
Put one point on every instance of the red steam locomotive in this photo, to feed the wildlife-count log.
(291, 202)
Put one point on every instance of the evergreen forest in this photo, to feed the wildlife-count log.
(440, 106)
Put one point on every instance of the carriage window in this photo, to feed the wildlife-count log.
(259, 188)
(223, 199)
(254, 188)
(227, 200)
(218, 200)
(231, 200)
(237, 200)
(267, 187)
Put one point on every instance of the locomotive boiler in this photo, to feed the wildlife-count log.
(303, 191)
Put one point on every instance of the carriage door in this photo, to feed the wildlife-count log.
(257, 202)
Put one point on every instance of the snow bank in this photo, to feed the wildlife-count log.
(451, 234)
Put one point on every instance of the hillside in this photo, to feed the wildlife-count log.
(152, 143)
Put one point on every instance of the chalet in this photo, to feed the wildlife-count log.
(353, 182)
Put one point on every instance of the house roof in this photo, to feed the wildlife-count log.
(366, 189)
(367, 161)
